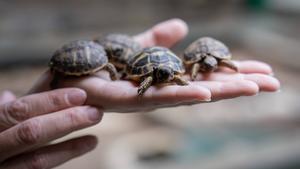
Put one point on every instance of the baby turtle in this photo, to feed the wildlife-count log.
(119, 48)
(80, 58)
(155, 65)
(205, 55)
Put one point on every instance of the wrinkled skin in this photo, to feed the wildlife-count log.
(28, 124)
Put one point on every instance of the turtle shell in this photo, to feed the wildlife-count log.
(203, 47)
(119, 48)
(78, 58)
(145, 61)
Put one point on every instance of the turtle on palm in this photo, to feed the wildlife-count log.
(206, 55)
(155, 65)
(79, 58)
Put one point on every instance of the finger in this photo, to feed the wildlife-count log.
(220, 91)
(264, 82)
(53, 155)
(228, 90)
(173, 94)
(250, 66)
(161, 96)
(106, 94)
(6, 97)
(38, 104)
(166, 34)
(42, 129)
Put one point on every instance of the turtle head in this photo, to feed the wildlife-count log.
(163, 74)
(209, 64)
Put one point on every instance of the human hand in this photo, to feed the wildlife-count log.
(29, 123)
(121, 95)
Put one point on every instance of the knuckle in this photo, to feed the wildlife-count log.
(37, 161)
(57, 100)
(16, 111)
(29, 132)
(73, 116)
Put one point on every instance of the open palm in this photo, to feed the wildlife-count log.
(121, 95)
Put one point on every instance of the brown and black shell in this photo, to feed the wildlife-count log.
(205, 46)
(145, 61)
(79, 57)
(119, 48)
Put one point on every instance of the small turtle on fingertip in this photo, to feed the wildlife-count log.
(155, 65)
(205, 55)
(119, 48)
(79, 58)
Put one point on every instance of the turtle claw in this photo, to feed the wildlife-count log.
(179, 81)
(145, 85)
(112, 71)
(195, 70)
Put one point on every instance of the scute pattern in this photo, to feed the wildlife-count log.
(119, 47)
(79, 57)
(144, 62)
(203, 47)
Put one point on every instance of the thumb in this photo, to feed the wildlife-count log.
(165, 34)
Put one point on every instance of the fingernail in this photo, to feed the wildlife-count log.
(94, 114)
(76, 97)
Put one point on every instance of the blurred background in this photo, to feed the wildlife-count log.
(260, 132)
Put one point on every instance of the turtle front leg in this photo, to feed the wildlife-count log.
(122, 72)
(145, 85)
(180, 81)
(112, 71)
(229, 64)
(194, 71)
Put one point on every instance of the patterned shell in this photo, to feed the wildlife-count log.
(144, 62)
(203, 47)
(79, 58)
(119, 47)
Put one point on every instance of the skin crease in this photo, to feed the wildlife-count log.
(29, 123)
